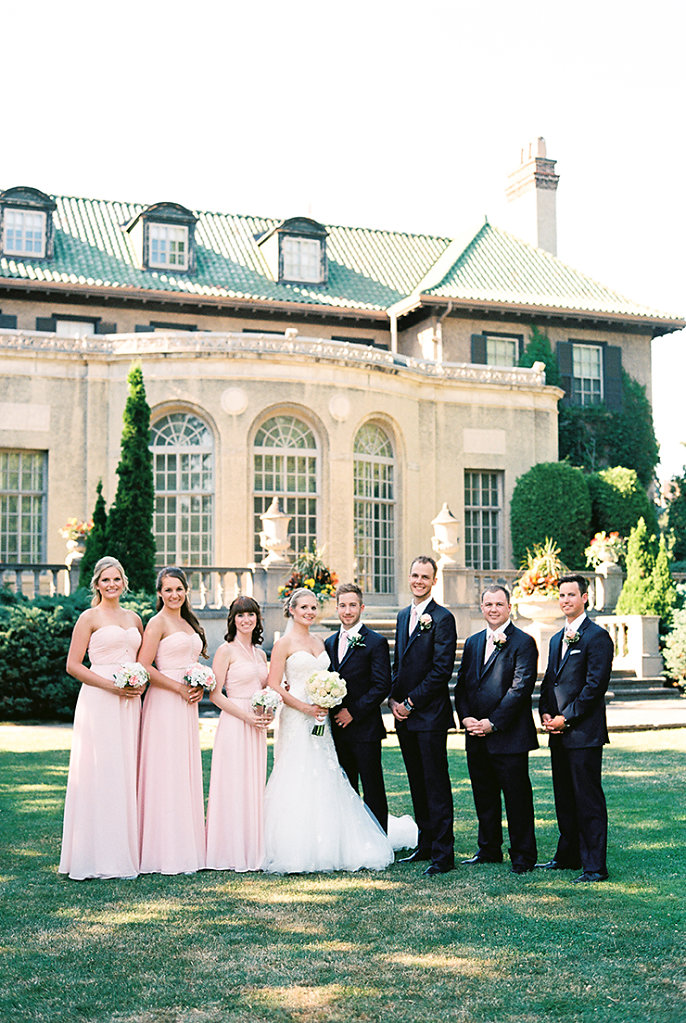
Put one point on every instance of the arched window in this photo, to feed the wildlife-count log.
(374, 483)
(285, 466)
(183, 459)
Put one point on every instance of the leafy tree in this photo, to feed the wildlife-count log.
(676, 516)
(649, 588)
(551, 500)
(539, 349)
(618, 501)
(675, 649)
(593, 437)
(96, 541)
(129, 523)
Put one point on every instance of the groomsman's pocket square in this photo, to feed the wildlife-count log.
(572, 652)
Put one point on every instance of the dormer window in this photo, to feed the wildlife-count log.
(168, 246)
(23, 233)
(26, 227)
(163, 237)
(295, 251)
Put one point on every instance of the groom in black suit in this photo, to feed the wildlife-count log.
(495, 680)
(361, 657)
(572, 708)
(423, 662)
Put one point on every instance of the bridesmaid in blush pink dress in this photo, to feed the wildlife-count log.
(170, 793)
(100, 832)
(235, 832)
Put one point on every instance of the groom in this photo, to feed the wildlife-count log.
(423, 662)
(360, 656)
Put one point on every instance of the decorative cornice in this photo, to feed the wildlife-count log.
(263, 346)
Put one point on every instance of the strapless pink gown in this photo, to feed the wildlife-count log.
(170, 793)
(100, 832)
(235, 827)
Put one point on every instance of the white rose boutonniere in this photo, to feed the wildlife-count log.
(425, 622)
(355, 641)
(499, 640)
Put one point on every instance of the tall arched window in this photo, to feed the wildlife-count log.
(374, 471)
(183, 459)
(285, 466)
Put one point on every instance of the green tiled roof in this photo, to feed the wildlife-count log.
(367, 269)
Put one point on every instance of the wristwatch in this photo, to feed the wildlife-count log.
(408, 706)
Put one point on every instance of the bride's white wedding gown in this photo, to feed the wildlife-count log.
(314, 819)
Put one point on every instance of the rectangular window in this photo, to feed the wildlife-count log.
(23, 498)
(301, 259)
(483, 508)
(502, 351)
(168, 246)
(23, 233)
(74, 328)
(587, 374)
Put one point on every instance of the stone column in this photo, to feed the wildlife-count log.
(609, 579)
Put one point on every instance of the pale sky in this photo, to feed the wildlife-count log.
(382, 113)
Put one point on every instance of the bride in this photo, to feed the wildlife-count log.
(314, 820)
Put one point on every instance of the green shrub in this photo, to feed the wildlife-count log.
(34, 641)
(539, 349)
(96, 541)
(676, 516)
(618, 501)
(649, 588)
(675, 649)
(551, 500)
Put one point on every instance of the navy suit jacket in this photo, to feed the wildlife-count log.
(367, 672)
(576, 687)
(499, 690)
(423, 666)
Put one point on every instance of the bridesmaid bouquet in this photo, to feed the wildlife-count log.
(199, 675)
(131, 675)
(326, 689)
(266, 700)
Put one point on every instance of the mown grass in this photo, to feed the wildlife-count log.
(478, 945)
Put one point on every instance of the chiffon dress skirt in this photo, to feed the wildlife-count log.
(314, 819)
(170, 793)
(100, 832)
(235, 827)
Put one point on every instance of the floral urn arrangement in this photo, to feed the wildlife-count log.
(310, 571)
(535, 594)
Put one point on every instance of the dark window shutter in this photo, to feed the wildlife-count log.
(143, 328)
(45, 323)
(612, 377)
(105, 328)
(8, 321)
(479, 348)
(565, 366)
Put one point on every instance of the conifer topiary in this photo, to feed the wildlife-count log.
(96, 541)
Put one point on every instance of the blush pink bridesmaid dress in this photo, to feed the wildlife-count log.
(170, 793)
(100, 832)
(235, 827)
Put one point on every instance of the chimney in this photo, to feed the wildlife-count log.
(531, 193)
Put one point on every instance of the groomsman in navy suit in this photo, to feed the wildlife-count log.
(495, 680)
(572, 708)
(423, 662)
(361, 657)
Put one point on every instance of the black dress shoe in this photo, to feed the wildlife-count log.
(519, 868)
(416, 856)
(588, 876)
(433, 869)
(478, 858)
(556, 865)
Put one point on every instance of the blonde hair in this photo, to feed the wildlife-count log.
(106, 562)
(295, 597)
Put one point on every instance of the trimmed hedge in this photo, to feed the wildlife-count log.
(618, 501)
(34, 641)
(551, 499)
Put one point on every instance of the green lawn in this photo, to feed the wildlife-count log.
(476, 945)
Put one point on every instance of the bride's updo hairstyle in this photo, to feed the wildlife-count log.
(186, 611)
(244, 605)
(295, 597)
(100, 566)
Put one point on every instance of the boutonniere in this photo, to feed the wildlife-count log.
(355, 641)
(499, 641)
(425, 622)
(571, 638)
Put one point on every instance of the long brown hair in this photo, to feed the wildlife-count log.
(186, 611)
(243, 605)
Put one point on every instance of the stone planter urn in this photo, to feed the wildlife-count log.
(540, 609)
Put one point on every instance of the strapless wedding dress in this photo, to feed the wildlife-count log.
(314, 819)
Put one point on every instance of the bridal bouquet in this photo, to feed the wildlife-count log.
(131, 675)
(199, 675)
(266, 700)
(326, 689)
